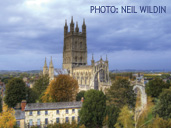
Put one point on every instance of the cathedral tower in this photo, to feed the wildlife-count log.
(51, 70)
(75, 46)
(45, 68)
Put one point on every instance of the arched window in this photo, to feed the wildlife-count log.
(75, 59)
(81, 45)
(76, 45)
(81, 59)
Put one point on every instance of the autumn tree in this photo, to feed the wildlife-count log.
(7, 118)
(15, 92)
(121, 93)
(41, 84)
(154, 87)
(125, 119)
(160, 123)
(92, 112)
(163, 107)
(62, 88)
(0, 104)
(80, 95)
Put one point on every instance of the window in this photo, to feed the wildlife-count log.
(78, 119)
(18, 123)
(30, 122)
(38, 112)
(67, 120)
(30, 113)
(80, 45)
(46, 120)
(73, 110)
(66, 111)
(46, 112)
(73, 118)
(57, 120)
(57, 111)
(38, 122)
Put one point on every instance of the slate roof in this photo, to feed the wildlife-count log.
(51, 106)
(19, 114)
(60, 71)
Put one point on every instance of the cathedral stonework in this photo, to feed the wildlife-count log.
(94, 76)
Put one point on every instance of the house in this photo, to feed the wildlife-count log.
(42, 114)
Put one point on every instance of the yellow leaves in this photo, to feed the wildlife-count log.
(7, 118)
(62, 88)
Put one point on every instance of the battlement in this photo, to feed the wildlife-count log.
(74, 30)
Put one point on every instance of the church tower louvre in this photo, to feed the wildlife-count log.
(75, 46)
(45, 68)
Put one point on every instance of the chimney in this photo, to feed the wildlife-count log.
(23, 105)
(82, 99)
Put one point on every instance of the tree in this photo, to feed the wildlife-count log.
(112, 113)
(62, 88)
(31, 95)
(121, 93)
(92, 112)
(7, 118)
(163, 107)
(15, 92)
(0, 104)
(41, 84)
(154, 87)
(160, 123)
(125, 119)
(80, 95)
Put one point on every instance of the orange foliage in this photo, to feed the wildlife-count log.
(7, 118)
(62, 88)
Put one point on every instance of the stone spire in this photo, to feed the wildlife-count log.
(106, 58)
(72, 25)
(51, 70)
(45, 64)
(45, 68)
(84, 27)
(92, 60)
(51, 63)
(77, 29)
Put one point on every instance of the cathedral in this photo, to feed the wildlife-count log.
(94, 76)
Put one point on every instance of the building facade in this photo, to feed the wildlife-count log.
(94, 76)
(42, 114)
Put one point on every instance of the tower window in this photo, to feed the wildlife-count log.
(76, 45)
(75, 59)
(80, 59)
(81, 45)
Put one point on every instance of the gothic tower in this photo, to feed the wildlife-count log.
(51, 70)
(45, 68)
(75, 46)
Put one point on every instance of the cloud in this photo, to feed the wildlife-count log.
(36, 27)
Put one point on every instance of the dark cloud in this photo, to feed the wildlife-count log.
(37, 27)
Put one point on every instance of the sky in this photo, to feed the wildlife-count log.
(31, 30)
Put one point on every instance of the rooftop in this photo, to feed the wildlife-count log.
(51, 106)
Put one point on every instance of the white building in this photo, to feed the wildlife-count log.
(42, 114)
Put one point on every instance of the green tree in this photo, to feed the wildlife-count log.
(154, 87)
(80, 95)
(15, 92)
(41, 84)
(163, 107)
(92, 112)
(112, 113)
(31, 95)
(121, 93)
(125, 119)
(62, 88)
